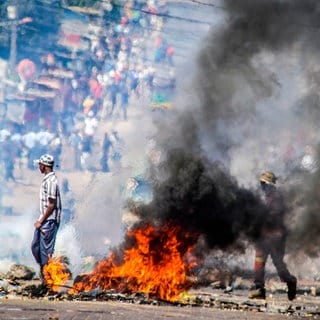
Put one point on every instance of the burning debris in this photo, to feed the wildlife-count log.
(56, 273)
(236, 300)
(155, 265)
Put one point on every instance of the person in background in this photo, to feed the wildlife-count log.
(7, 158)
(68, 200)
(272, 240)
(47, 225)
(106, 146)
(309, 161)
(124, 93)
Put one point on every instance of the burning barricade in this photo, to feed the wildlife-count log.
(153, 264)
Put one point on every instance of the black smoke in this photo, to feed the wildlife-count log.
(202, 198)
(227, 67)
(234, 109)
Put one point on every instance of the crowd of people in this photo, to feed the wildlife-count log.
(98, 84)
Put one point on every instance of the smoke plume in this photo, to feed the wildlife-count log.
(252, 101)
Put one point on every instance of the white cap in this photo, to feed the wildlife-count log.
(46, 160)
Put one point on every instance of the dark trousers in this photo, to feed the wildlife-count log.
(275, 247)
(43, 242)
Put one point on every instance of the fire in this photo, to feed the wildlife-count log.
(56, 274)
(154, 265)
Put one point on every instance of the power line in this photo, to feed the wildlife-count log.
(209, 5)
(164, 15)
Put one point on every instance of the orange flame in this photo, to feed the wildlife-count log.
(154, 265)
(56, 274)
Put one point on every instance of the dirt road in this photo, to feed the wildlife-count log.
(75, 310)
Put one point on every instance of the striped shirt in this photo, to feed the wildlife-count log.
(50, 189)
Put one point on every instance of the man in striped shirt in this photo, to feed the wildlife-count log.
(47, 225)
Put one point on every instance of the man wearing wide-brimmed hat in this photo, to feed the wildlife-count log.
(272, 239)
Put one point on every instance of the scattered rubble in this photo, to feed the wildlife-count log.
(20, 272)
(225, 292)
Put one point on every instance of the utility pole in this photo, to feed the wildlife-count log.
(12, 16)
(13, 22)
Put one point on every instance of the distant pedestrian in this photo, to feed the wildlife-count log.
(124, 92)
(29, 141)
(309, 161)
(106, 146)
(47, 225)
(134, 82)
(169, 54)
(68, 200)
(7, 157)
(76, 144)
(114, 89)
